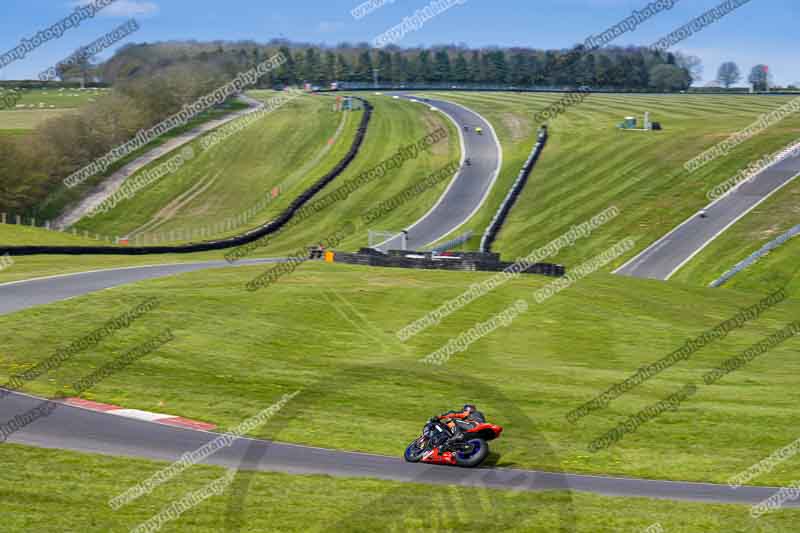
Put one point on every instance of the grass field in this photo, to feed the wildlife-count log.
(57, 98)
(246, 169)
(236, 352)
(36, 106)
(769, 220)
(13, 235)
(233, 176)
(780, 268)
(395, 124)
(38, 501)
(60, 198)
(589, 165)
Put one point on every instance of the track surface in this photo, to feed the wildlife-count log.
(19, 295)
(667, 255)
(77, 429)
(470, 187)
(73, 428)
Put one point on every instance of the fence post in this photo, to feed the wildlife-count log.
(3, 217)
(19, 220)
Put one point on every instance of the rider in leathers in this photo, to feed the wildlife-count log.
(461, 421)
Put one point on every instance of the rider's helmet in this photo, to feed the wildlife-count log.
(470, 408)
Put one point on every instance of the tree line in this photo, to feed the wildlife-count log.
(628, 68)
(33, 166)
(152, 81)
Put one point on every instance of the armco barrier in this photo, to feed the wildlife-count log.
(508, 202)
(754, 257)
(453, 243)
(469, 262)
(231, 242)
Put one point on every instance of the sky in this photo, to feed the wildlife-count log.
(760, 31)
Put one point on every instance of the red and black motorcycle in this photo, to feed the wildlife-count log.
(438, 445)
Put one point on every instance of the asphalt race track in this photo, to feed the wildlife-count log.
(19, 295)
(468, 190)
(74, 428)
(77, 429)
(667, 255)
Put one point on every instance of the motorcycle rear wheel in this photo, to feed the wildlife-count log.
(477, 455)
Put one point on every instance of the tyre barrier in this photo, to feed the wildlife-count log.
(465, 262)
(502, 213)
(222, 244)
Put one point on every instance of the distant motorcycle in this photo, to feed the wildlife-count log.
(439, 445)
(468, 162)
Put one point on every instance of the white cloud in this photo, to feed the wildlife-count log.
(126, 8)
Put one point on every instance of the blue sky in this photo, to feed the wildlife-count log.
(762, 31)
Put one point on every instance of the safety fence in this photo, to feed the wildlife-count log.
(220, 244)
(502, 213)
(172, 236)
(756, 256)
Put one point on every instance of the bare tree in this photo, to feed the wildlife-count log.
(729, 74)
(693, 65)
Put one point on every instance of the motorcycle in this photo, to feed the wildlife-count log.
(437, 445)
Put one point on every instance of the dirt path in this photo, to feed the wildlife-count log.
(115, 181)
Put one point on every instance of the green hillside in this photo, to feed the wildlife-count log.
(589, 165)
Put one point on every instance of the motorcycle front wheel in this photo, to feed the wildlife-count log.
(414, 453)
